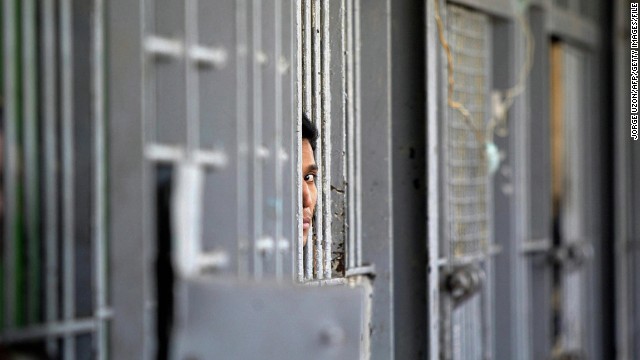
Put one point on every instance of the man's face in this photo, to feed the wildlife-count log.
(309, 191)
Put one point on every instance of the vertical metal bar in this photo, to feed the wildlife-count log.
(30, 141)
(242, 137)
(298, 8)
(99, 182)
(307, 103)
(433, 179)
(149, 122)
(257, 135)
(487, 318)
(149, 134)
(194, 240)
(338, 176)
(351, 190)
(326, 137)
(278, 58)
(317, 119)
(521, 146)
(49, 60)
(358, 132)
(623, 262)
(191, 77)
(68, 232)
(10, 285)
(128, 107)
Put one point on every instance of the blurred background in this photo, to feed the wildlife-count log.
(477, 190)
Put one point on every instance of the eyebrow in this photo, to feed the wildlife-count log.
(312, 167)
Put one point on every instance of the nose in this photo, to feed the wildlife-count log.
(306, 195)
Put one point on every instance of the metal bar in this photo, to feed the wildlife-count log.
(68, 233)
(351, 210)
(326, 140)
(10, 284)
(155, 45)
(300, 274)
(358, 133)
(258, 149)
(363, 270)
(49, 61)
(49, 330)
(278, 136)
(573, 28)
(307, 106)
(373, 56)
(328, 282)
(624, 303)
(242, 138)
(30, 141)
(338, 180)
(536, 246)
(191, 77)
(433, 182)
(316, 57)
(100, 187)
(129, 212)
(289, 69)
(149, 135)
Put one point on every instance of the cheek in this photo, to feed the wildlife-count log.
(314, 197)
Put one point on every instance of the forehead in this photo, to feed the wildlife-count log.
(307, 151)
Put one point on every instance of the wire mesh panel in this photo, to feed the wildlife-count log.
(54, 262)
(467, 176)
(465, 250)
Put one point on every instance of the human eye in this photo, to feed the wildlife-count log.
(310, 177)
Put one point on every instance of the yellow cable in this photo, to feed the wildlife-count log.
(456, 105)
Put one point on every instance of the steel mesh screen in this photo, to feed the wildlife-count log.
(467, 176)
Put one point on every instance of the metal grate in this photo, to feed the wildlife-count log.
(328, 51)
(54, 276)
(467, 176)
(328, 81)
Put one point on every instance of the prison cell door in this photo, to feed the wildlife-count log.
(465, 247)
(203, 199)
(573, 246)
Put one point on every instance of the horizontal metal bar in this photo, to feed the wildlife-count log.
(327, 282)
(214, 159)
(160, 46)
(163, 153)
(442, 262)
(502, 8)
(213, 260)
(211, 56)
(573, 27)
(57, 329)
(479, 256)
(476, 181)
(536, 246)
(361, 270)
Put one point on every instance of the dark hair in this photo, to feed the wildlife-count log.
(309, 131)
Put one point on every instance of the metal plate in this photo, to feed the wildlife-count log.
(231, 320)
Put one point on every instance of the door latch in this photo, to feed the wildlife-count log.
(463, 282)
(572, 255)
